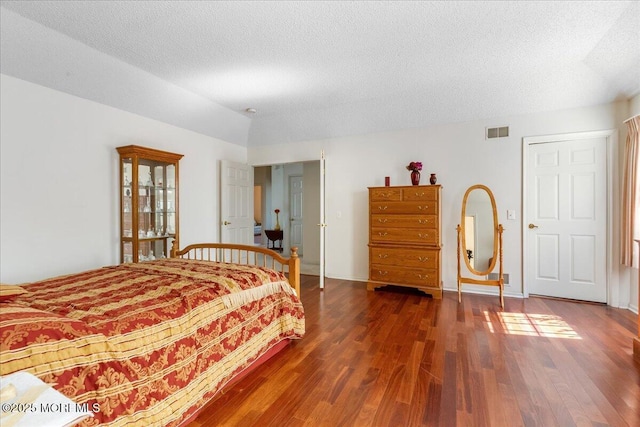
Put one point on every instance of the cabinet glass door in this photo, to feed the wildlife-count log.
(171, 200)
(155, 226)
(127, 209)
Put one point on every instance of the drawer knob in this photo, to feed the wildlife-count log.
(423, 208)
(382, 220)
(382, 233)
(382, 273)
(419, 194)
(425, 276)
(383, 256)
(382, 208)
(424, 236)
(423, 258)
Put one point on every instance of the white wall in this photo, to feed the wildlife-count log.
(634, 106)
(460, 156)
(58, 178)
(58, 198)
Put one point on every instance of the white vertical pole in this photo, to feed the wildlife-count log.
(322, 224)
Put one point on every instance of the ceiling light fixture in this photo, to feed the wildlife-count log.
(250, 110)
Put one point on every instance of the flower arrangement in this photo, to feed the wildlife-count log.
(277, 211)
(414, 166)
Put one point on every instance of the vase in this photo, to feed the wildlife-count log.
(433, 179)
(277, 227)
(415, 178)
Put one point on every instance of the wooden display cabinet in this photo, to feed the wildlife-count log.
(148, 203)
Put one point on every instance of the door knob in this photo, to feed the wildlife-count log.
(532, 226)
(226, 223)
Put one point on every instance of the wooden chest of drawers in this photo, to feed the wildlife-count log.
(404, 238)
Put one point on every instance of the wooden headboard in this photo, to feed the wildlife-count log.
(246, 255)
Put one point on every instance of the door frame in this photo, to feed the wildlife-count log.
(611, 138)
(322, 226)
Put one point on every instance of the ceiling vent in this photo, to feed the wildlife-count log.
(497, 132)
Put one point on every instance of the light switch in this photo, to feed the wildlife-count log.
(511, 214)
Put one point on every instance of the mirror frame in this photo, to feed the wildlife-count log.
(494, 257)
(497, 249)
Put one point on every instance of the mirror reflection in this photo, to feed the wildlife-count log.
(479, 230)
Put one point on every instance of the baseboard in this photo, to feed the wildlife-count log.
(480, 291)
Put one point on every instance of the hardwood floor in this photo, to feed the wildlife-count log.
(398, 359)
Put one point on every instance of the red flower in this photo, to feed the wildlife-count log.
(277, 211)
(415, 166)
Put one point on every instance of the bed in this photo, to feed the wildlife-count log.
(151, 343)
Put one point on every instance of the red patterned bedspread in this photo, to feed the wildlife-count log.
(151, 342)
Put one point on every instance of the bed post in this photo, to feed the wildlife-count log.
(294, 270)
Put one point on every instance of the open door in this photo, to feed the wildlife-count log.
(236, 203)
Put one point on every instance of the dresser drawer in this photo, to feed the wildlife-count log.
(386, 193)
(400, 275)
(409, 257)
(426, 236)
(403, 220)
(411, 208)
(420, 193)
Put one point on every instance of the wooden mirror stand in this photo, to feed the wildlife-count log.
(478, 209)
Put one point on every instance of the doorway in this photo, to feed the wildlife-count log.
(298, 218)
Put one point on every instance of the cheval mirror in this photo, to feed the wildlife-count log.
(480, 240)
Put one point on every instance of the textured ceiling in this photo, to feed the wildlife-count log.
(325, 69)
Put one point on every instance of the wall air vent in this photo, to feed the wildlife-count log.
(496, 276)
(498, 132)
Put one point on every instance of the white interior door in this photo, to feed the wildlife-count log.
(236, 203)
(566, 219)
(295, 212)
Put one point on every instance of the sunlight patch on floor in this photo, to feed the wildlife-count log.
(541, 325)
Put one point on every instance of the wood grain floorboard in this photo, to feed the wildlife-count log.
(395, 357)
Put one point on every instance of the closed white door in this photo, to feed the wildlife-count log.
(236, 203)
(295, 212)
(566, 219)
